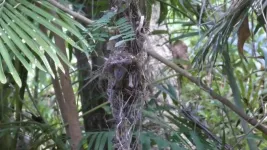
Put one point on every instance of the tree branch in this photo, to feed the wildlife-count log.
(184, 73)
(213, 94)
(72, 13)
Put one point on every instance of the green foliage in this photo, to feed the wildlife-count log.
(125, 30)
(179, 128)
(189, 120)
(103, 140)
(216, 34)
(163, 12)
(38, 134)
(103, 21)
(96, 29)
(21, 37)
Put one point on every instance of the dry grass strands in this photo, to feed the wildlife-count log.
(125, 94)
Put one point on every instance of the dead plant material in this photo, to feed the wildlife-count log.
(243, 35)
(126, 84)
(125, 94)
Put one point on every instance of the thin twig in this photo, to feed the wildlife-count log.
(72, 13)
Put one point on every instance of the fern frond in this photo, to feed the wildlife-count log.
(126, 31)
(103, 21)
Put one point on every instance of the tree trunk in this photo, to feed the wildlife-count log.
(65, 97)
(92, 90)
(73, 127)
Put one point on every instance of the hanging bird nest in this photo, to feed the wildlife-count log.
(125, 94)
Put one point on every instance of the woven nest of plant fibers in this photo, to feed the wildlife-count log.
(126, 86)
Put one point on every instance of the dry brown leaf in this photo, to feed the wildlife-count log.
(243, 35)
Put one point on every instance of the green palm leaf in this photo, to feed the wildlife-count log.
(21, 38)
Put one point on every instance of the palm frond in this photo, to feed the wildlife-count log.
(216, 38)
(39, 133)
(103, 140)
(22, 39)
